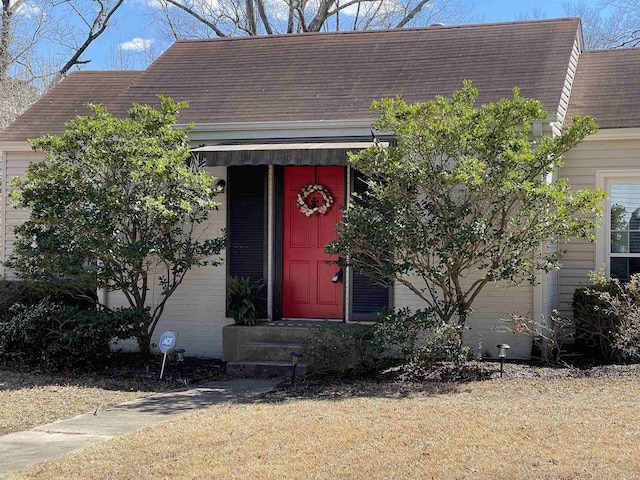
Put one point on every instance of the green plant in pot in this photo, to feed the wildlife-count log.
(242, 299)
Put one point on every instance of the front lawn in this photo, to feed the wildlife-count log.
(29, 398)
(526, 428)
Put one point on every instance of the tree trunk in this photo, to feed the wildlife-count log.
(251, 17)
(144, 343)
(5, 39)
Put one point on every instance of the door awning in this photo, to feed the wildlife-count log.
(328, 153)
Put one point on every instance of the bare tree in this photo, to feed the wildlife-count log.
(15, 97)
(180, 19)
(612, 24)
(69, 25)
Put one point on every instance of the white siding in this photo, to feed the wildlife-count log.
(486, 326)
(581, 166)
(16, 164)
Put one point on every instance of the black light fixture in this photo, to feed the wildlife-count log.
(220, 184)
(179, 354)
(295, 356)
(502, 354)
(336, 278)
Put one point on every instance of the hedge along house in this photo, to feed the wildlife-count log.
(273, 114)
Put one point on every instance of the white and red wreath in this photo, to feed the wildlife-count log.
(314, 209)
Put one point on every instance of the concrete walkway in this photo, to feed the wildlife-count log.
(22, 449)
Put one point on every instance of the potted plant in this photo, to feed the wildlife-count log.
(242, 298)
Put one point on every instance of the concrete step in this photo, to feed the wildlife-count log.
(278, 333)
(263, 369)
(271, 351)
(236, 338)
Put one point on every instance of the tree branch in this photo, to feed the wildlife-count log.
(99, 26)
(410, 16)
(197, 16)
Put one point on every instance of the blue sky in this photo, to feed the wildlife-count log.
(132, 31)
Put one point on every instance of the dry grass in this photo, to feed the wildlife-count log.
(29, 399)
(585, 428)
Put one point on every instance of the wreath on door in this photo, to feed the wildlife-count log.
(313, 208)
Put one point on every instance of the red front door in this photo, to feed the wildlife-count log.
(307, 290)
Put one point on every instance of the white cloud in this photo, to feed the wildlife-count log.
(29, 10)
(137, 44)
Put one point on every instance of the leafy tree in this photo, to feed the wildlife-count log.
(463, 199)
(116, 206)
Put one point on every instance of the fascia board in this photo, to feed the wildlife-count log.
(615, 134)
(276, 130)
(15, 147)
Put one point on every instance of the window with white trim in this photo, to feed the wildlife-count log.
(623, 227)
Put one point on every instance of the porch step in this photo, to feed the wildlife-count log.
(263, 369)
(269, 351)
(280, 332)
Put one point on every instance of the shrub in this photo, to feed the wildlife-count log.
(55, 336)
(242, 300)
(340, 349)
(419, 337)
(607, 319)
(20, 292)
(549, 335)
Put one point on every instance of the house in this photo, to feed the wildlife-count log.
(272, 114)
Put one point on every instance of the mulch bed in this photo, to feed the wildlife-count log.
(194, 370)
(135, 369)
(404, 381)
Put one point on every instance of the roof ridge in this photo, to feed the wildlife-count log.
(109, 72)
(378, 31)
(613, 49)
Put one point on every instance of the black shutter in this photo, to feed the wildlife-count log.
(367, 297)
(247, 197)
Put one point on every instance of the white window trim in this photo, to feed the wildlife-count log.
(604, 178)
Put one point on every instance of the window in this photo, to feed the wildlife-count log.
(623, 224)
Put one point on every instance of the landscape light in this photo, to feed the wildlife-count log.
(295, 356)
(502, 353)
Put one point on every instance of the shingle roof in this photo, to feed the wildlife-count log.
(607, 87)
(67, 100)
(327, 76)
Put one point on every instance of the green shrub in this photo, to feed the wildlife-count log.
(340, 348)
(594, 324)
(242, 300)
(54, 336)
(19, 292)
(607, 318)
(419, 337)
